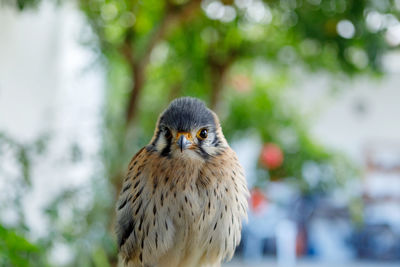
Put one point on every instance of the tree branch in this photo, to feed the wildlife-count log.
(218, 72)
(173, 15)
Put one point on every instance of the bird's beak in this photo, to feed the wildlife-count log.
(184, 140)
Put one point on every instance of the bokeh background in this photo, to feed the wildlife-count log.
(307, 92)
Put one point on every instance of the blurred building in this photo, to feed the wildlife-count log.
(356, 117)
(51, 88)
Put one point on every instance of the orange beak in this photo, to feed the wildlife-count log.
(185, 140)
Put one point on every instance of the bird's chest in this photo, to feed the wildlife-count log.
(188, 208)
(198, 211)
(201, 202)
(190, 204)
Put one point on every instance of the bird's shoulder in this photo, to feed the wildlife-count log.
(137, 160)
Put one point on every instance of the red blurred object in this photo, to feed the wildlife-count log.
(258, 201)
(271, 156)
(301, 242)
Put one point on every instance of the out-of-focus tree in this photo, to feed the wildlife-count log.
(15, 250)
(158, 50)
(236, 56)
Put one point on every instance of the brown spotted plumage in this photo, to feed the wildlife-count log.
(184, 198)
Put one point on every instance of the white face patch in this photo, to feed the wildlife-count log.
(161, 142)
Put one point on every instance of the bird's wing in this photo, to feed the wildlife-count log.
(144, 229)
(125, 222)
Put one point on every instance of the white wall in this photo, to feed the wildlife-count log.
(29, 64)
(49, 84)
(356, 114)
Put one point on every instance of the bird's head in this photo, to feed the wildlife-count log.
(187, 128)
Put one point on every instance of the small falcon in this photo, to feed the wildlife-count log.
(184, 197)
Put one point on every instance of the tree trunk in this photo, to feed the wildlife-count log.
(173, 15)
(218, 72)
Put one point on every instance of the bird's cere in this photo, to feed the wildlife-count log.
(184, 140)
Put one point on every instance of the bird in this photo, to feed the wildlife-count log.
(184, 198)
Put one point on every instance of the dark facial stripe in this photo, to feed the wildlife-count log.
(216, 141)
(203, 153)
(166, 151)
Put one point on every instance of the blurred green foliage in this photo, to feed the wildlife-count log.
(238, 57)
(15, 250)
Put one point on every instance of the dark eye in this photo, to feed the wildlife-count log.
(167, 133)
(202, 134)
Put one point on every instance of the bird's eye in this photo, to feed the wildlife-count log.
(167, 133)
(202, 134)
